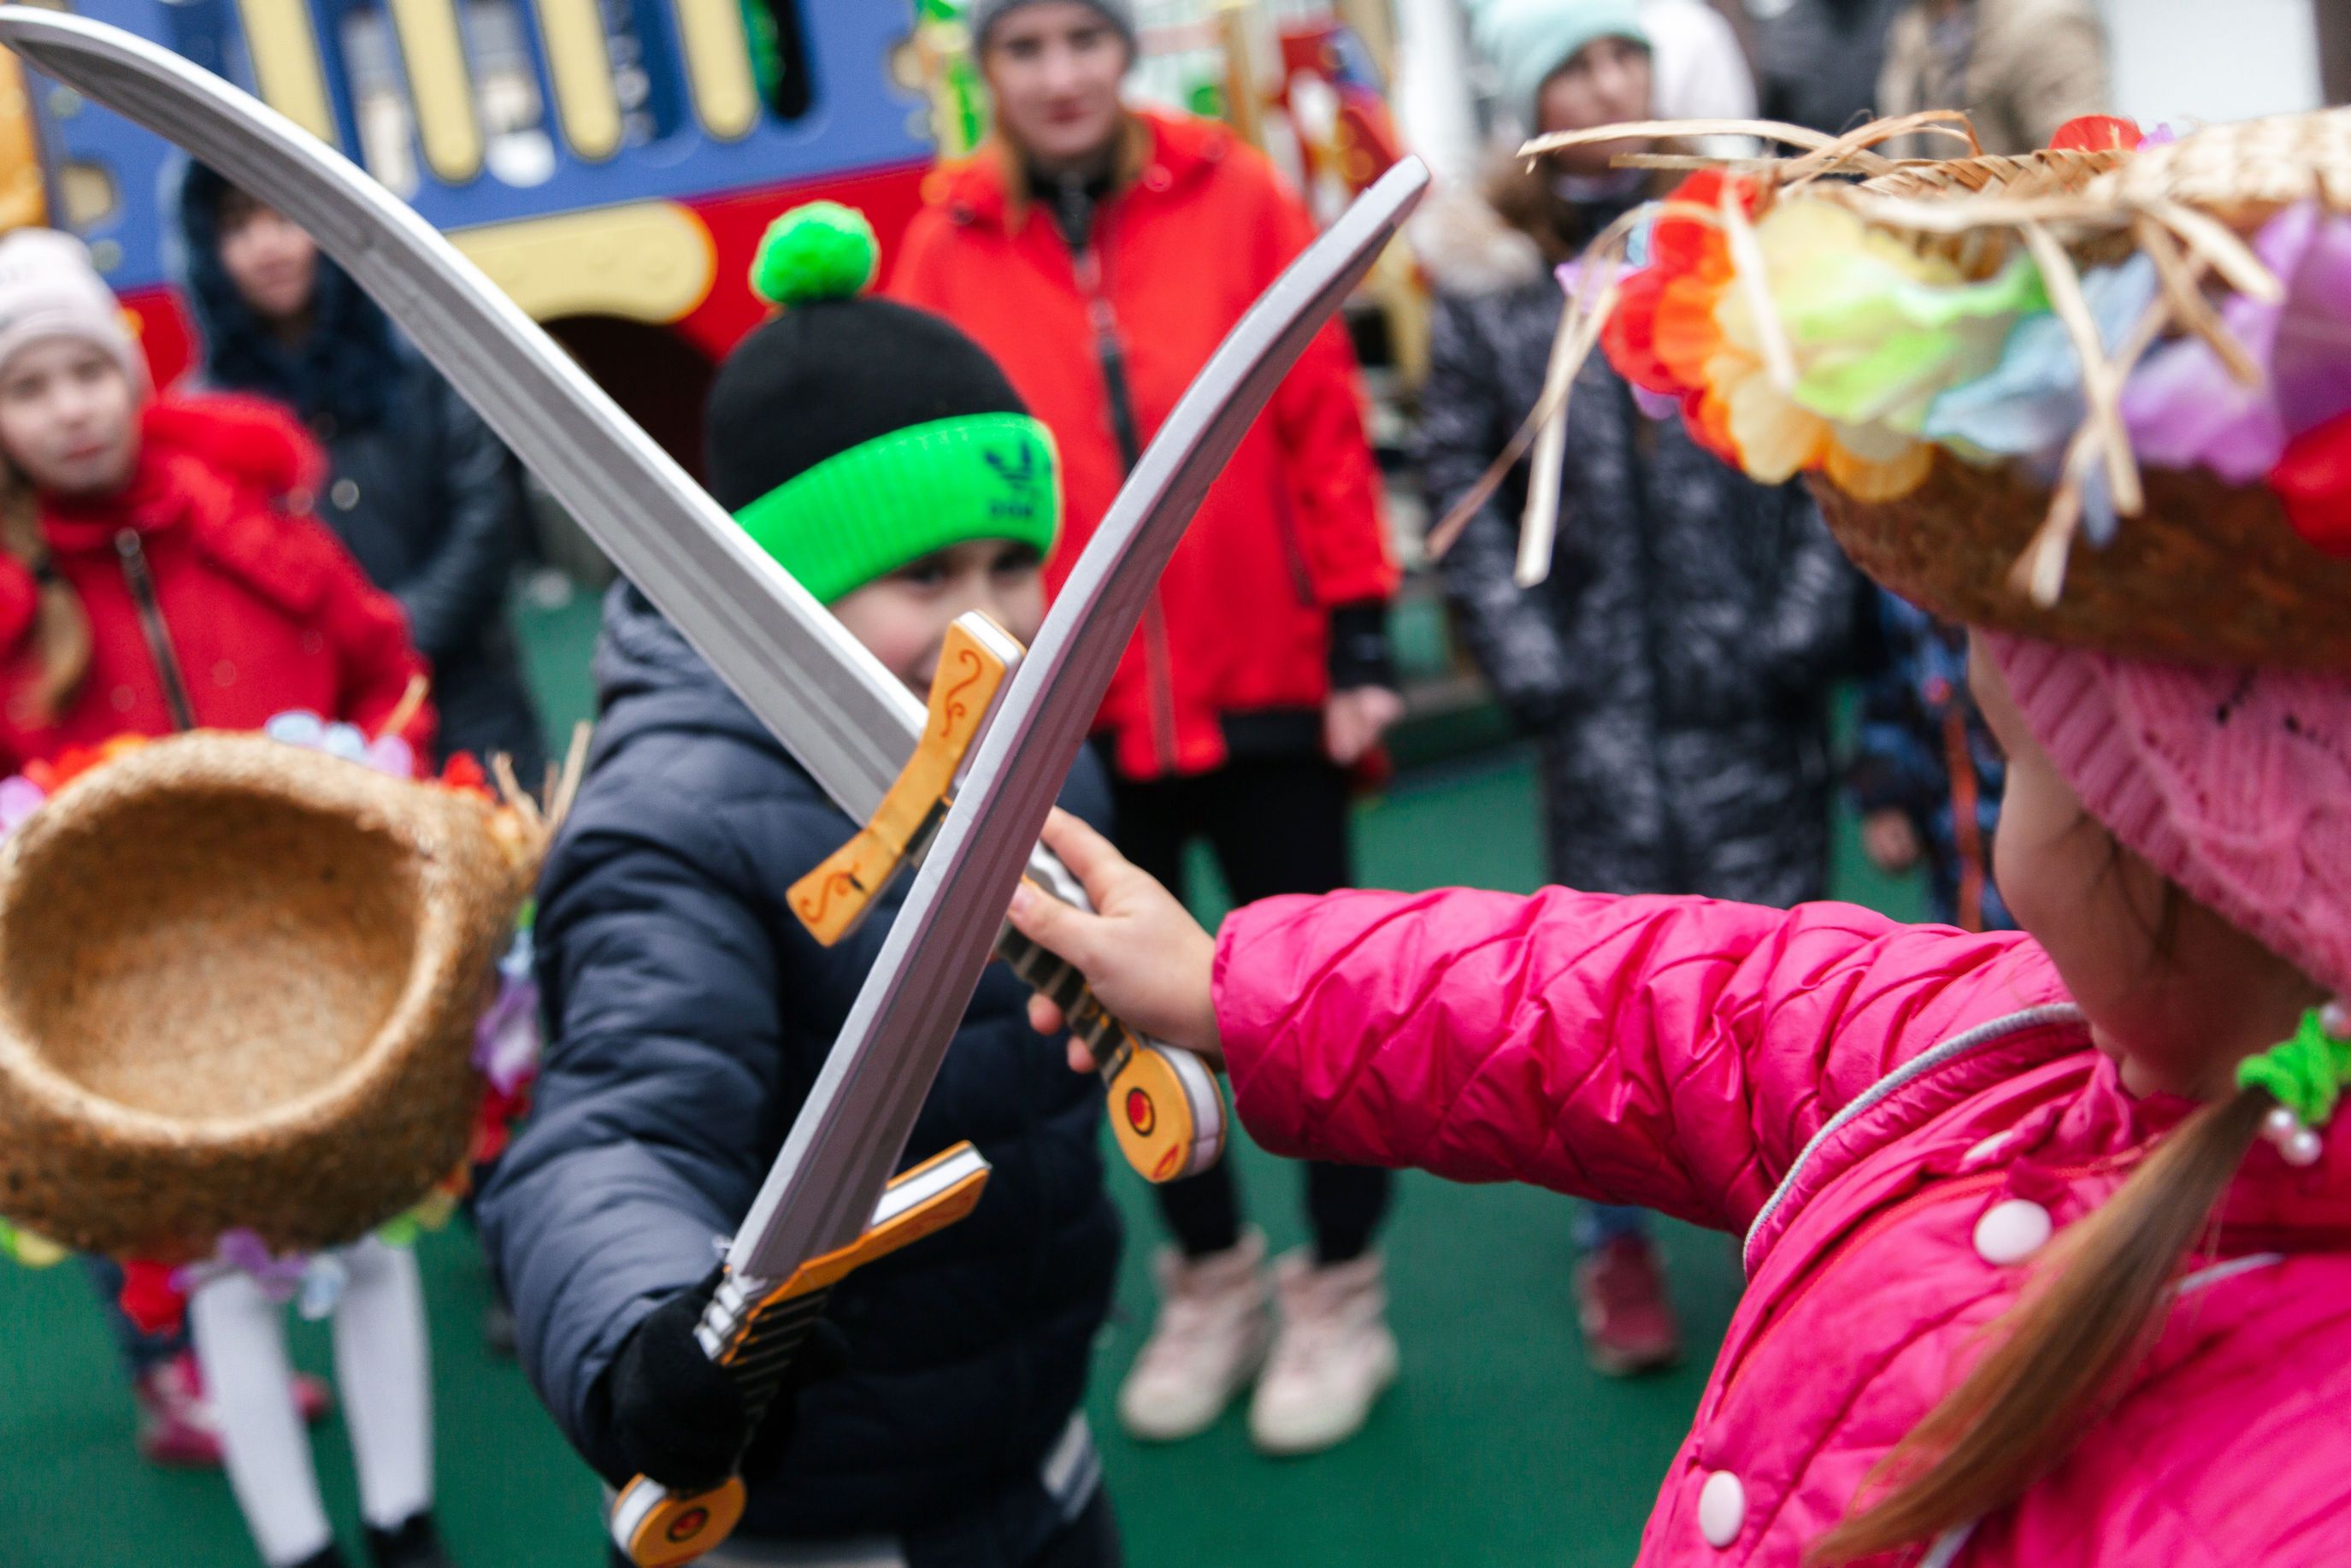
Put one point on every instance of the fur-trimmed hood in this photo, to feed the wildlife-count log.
(347, 370)
(1470, 249)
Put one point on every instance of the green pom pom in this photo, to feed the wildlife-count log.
(820, 251)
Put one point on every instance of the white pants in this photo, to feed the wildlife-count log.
(381, 1372)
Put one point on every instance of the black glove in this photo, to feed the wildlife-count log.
(675, 1415)
(1359, 647)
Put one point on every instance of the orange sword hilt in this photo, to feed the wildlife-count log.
(752, 1328)
(1166, 1109)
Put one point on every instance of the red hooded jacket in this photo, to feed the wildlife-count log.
(1291, 530)
(262, 607)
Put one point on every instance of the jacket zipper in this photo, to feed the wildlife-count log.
(2048, 1015)
(141, 583)
(1285, 528)
(1110, 357)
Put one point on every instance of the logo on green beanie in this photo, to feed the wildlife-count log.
(1024, 479)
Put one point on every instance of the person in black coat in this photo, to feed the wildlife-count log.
(419, 491)
(1675, 666)
(691, 1012)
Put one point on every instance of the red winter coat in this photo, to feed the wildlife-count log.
(1895, 1118)
(1293, 527)
(263, 606)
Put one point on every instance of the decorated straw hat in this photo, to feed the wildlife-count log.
(239, 981)
(2099, 396)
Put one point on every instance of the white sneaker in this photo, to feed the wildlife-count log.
(1210, 1340)
(1331, 1359)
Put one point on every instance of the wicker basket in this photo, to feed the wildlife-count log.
(238, 984)
(2209, 574)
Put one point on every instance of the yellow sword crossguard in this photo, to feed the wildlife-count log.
(1166, 1108)
(753, 1327)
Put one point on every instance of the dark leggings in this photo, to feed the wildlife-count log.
(1276, 825)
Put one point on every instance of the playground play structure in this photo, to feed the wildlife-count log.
(611, 163)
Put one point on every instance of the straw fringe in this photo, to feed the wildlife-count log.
(1539, 526)
(404, 712)
(2183, 288)
(1607, 249)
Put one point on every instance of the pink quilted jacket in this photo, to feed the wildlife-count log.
(1895, 1118)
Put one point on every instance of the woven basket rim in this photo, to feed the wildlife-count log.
(298, 777)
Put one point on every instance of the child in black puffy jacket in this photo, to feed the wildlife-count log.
(691, 1012)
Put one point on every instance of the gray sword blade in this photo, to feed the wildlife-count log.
(809, 682)
(852, 1132)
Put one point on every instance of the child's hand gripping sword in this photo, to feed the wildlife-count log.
(827, 699)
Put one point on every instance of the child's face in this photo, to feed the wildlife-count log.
(2166, 984)
(1607, 83)
(68, 418)
(273, 263)
(903, 618)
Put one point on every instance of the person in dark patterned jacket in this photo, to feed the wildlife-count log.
(1918, 724)
(1675, 665)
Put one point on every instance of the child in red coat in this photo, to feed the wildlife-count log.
(160, 572)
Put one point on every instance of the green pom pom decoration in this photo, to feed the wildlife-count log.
(820, 251)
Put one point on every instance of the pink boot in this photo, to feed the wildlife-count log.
(1620, 1298)
(175, 1423)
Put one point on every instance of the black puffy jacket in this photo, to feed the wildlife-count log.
(690, 1014)
(1677, 662)
(419, 491)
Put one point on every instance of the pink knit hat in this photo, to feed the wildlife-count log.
(2235, 784)
(49, 290)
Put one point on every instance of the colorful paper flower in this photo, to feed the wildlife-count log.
(75, 760)
(1875, 331)
(152, 1297)
(2097, 133)
(1683, 253)
(2030, 404)
(387, 754)
(19, 799)
(506, 1039)
(34, 1251)
(2314, 482)
(2185, 410)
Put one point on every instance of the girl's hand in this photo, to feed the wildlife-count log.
(1143, 954)
(1890, 842)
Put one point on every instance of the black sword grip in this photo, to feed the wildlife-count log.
(758, 1354)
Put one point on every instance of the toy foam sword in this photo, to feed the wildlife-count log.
(822, 695)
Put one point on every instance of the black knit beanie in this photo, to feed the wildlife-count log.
(830, 374)
(836, 372)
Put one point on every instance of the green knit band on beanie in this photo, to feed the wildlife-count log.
(865, 512)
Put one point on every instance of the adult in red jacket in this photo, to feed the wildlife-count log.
(1101, 254)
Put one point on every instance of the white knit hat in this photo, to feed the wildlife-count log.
(49, 290)
(1119, 14)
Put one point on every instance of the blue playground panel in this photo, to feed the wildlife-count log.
(857, 117)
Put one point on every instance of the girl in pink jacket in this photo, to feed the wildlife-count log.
(1903, 1122)
(2048, 1235)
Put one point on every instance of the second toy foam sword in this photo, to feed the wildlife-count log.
(829, 702)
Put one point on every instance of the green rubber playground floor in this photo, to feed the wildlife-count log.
(1498, 1446)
